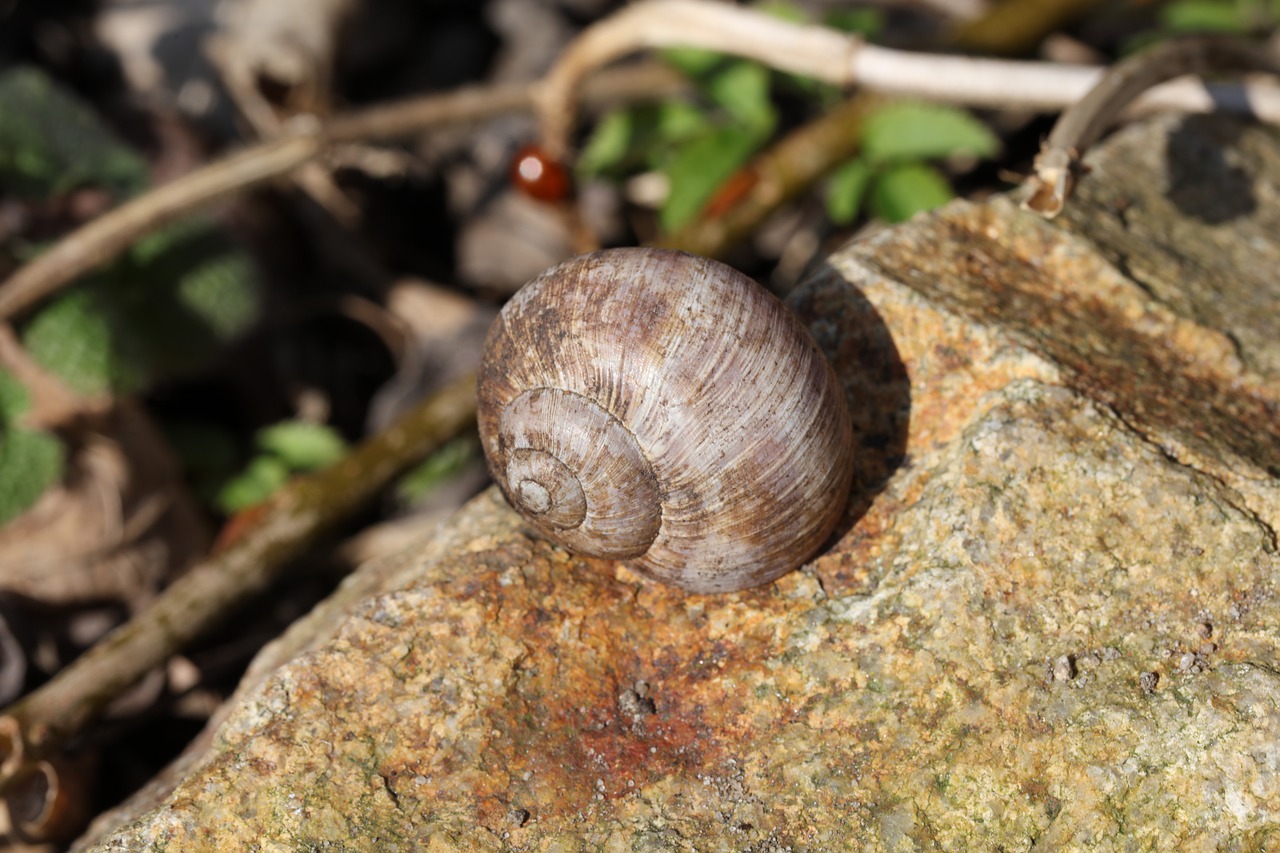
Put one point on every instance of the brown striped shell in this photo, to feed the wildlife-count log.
(665, 410)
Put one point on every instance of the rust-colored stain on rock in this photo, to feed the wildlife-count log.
(1049, 620)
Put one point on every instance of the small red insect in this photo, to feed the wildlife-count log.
(538, 175)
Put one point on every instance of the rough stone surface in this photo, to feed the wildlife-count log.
(1050, 620)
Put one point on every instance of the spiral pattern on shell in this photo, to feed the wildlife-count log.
(665, 410)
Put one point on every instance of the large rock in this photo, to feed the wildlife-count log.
(1050, 621)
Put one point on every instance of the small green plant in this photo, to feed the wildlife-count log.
(285, 448)
(163, 308)
(696, 147)
(51, 142)
(891, 175)
(1227, 17)
(30, 460)
(167, 305)
(699, 147)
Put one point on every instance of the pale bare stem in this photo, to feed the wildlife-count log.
(1084, 122)
(960, 10)
(469, 104)
(476, 103)
(240, 81)
(837, 58)
(810, 51)
(38, 725)
(1006, 84)
(975, 82)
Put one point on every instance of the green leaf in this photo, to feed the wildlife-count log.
(14, 399)
(302, 446)
(260, 479)
(698, 168)
(742, 90)
(438, 468)
(693, 61)
(916, 131)
(676, 121)
(217, 290)
(51, 142)
(75, 337)
(609, 143)
(845, 191)
(30, 462)
(902, 191)
(164, 308)
(1206, 16)
(641, 136)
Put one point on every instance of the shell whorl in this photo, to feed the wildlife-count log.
(578, 474)
(663, 409)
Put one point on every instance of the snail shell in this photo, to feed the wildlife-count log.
(663, 409)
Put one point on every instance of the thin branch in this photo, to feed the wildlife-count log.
(960, 10)
(1058, 163)
(41, 723)
(807, 50)
(810, 50)
(104, 238)
(846, 61)
(1003, 84)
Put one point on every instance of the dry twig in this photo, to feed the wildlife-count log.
(810, 50)
(104, 238)
(845, 60)
(1058, 163)
(41, 723)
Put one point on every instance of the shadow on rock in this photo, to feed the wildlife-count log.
(859, 345)
(1203, 185)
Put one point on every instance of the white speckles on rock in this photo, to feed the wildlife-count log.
(1057, 621)
(1063, 669)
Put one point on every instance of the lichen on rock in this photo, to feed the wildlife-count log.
(1050, 620)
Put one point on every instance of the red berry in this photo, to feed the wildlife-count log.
(539, 176)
